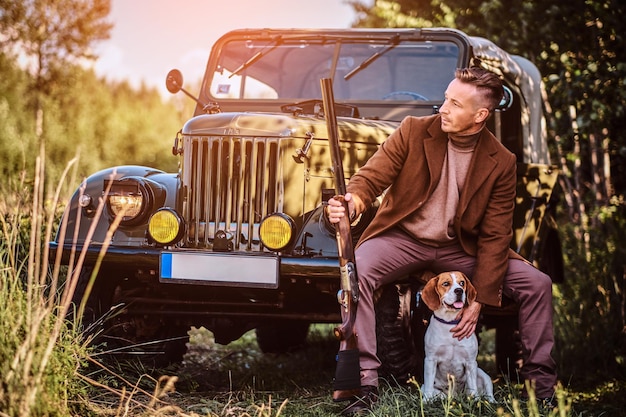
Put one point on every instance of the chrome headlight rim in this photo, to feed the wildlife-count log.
(175, 218)
(132, 189)
(286, 222)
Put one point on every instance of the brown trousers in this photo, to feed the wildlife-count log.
(391, 256)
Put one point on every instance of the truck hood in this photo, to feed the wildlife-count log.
(286, 126)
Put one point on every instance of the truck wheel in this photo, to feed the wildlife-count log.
(106, 321)
(551, 261)
(282, 336)
(508, 346)
(400, 333)
(154, 342)
(97, 306)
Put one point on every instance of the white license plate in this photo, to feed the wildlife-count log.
(217, 269)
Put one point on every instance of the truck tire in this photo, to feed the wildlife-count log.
(551, 261)
(106, 321)
(400, 332)
(282, 336)
(97, 306)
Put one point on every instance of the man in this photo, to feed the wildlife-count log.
(449, 201)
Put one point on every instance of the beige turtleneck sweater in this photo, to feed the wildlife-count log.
(433, 222)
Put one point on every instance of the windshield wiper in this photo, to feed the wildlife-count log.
(254, 58)
(393, 43)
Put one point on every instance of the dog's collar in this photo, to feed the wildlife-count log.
(451, 322)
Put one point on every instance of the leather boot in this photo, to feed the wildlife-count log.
(363, 403)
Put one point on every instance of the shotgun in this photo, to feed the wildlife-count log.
(347, 383)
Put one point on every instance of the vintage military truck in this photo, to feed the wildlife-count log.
(236, 239)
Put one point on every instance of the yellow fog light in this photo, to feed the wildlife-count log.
(165, 226)
(276, 231)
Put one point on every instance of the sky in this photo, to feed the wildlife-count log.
(150, 37)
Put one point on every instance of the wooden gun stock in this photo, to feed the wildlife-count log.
(347, 381)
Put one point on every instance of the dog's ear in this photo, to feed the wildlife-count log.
(470, 291)
(430, 296)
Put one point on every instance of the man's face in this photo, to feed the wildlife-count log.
(461, 112)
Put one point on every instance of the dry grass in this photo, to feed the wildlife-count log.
(38, 350)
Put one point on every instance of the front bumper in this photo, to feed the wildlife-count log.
(307, 287)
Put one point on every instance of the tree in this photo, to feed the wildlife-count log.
(51, 34)
(15, 125)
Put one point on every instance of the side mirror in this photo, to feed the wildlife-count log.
(507, 99)
(174, 81)
(174, 84)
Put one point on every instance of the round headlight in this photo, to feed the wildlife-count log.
(276, 231)
(129, 197)
(128, 204)
(165, 226)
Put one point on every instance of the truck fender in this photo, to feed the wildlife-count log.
(85, 209)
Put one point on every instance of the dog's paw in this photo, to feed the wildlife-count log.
(429, 395)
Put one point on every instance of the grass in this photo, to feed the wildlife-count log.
(39, 353)
(47, 370)
(239, 380)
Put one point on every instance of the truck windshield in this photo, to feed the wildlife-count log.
(291, 69)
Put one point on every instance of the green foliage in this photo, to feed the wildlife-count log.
(52, 33)
(16, 121)
(107, 123)
(589, 307)
(55, 104)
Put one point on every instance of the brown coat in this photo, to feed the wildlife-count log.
(409, 164)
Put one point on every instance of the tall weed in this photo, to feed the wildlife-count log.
(39, 353)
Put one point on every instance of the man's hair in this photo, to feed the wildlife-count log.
(485, 81)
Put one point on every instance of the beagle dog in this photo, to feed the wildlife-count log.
(449, 360)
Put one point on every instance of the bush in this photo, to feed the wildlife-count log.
(590, 322)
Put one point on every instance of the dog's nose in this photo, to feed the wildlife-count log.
(458, 292)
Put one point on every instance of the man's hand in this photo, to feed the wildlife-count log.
(335, 209)
(469, 318)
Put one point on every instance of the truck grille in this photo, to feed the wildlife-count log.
(230, 184)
